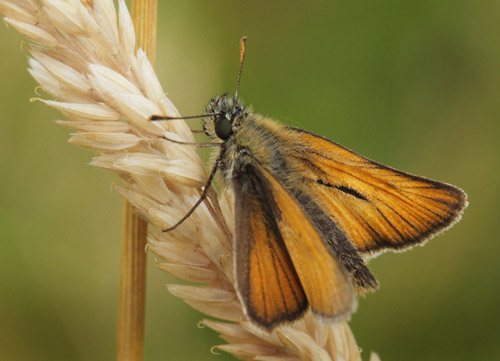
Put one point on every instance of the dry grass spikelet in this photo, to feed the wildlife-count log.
(83, 55)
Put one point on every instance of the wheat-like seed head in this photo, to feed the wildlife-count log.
(83, 56)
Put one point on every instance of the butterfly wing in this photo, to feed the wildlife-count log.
(378, 207)
(282, 265)
(266, 280)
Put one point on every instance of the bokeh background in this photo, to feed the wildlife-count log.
(414, 85)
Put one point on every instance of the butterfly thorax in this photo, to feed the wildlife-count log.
(247, 138)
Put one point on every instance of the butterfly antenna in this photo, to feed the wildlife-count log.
(242, 57)
(166, 117)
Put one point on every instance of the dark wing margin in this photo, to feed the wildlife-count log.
(266, 280)
(378, 207)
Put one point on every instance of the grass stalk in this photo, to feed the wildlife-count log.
(131, 309)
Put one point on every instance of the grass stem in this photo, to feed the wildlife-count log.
(131, 309)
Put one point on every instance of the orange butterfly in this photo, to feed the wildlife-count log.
(309, 212)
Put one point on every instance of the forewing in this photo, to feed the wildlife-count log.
(378, 207)
(325, 282)
(267, 282)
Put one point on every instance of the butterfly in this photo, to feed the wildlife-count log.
(310, 212)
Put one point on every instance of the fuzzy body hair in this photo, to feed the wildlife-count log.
(255, 139)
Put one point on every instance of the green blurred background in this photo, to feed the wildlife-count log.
(414, 85)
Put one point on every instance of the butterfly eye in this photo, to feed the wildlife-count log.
(223, 128)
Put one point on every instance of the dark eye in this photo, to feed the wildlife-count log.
(223, 128)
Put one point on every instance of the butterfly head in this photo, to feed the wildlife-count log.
(224, 115)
